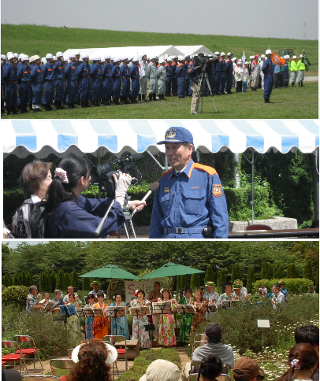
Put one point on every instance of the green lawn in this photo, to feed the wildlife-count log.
(289, 103)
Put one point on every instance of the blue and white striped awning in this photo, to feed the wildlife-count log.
(42, 137)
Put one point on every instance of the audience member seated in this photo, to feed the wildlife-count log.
(213, 347)
(70, 291)
(245, 369)
(303, 361)
(309, 334)
(210, 368)
(93, 358)
(161, 370)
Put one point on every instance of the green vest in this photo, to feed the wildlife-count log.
(293, 66)
(301, 65)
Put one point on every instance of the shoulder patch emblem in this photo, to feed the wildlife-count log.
(217, 190)
(166, 190)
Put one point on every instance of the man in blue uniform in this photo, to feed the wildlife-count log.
(125, 78)
(181, 76)
(223, 69)
(229, 73)
(10, 81)
(190, 202)
(106, 81)
(135, 77)
(217, 71)
(96, 81)
(268, 69)
(24, 83)
(59, 82)
(116, 76)
(36, 84)
(49, 78)
(71, 76)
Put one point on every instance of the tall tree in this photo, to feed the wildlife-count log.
(74, 279)
(195, 281)
(86, 284)
(236, 272)
(307, 271)
(250, 279)
(209, 275)
(265, 273)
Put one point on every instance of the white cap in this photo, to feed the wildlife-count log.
(3, 57)
(135, 59)
(72, 55)
(217, 53)
(222, 54)
(49, 55)
(246, 63)
(25, 58)
(10, 56)
(111, 358)
(85, 56)
(54, 58)
(80, 59)
(153, 57)
(229, 54)
(116, 59)
(294, 57)
(43, 60)
(77, 54)
(36, 57)
(161, 60)
(161, 370)
(65, 58)
(233, 59)
(286, 57)
(107, 57)
(263, 56)
(251, 57)
(59, 54)
(301, 55)
(9, 53)
(239, 62)
(268, 51)
(169, 59)
(16, 55)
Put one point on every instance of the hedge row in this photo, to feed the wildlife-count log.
(293, 285)
(238, 200)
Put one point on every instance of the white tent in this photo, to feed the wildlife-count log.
(68, 52)
(131, 51)
(194, 49)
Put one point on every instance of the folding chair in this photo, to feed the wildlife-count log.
(31, 353)
(197, 344)
(200, 337)
(39, 377)
(122, 352)
(13, 358)
(63, 363)
(195, 365)
(193, 377)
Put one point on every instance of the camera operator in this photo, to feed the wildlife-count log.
(193, 73)
(74, 216)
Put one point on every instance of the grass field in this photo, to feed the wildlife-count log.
(289, 103)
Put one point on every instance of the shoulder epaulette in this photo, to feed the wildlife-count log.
(205, 168)
(166, 173)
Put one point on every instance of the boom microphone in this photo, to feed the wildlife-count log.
(153, 187)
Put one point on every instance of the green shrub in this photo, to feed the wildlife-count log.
(239, 325)
(15, 295)
(52, 338)
(293, 285)
(145, 358)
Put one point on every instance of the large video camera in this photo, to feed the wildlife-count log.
(205, 62)
(102, 175)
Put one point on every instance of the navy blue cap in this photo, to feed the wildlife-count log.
(177, 135)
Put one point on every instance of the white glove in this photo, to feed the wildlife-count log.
(122, 185)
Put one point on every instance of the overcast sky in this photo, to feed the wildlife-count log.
(252, 18)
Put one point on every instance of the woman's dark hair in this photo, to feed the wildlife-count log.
(32, 175)
(144, 294)
(75, 167)
(307, 356)
(188, 289)
(210, 367)
(100, 293)
(118, 293)
(307, 334)
(92, 362)
(165, 290)
(91, 296)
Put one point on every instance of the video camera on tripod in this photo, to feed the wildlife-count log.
(102, 175)
(205, 62)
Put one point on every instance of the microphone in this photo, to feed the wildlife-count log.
(153, 187)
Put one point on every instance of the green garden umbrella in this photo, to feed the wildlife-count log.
(109, 271)
(171, 269)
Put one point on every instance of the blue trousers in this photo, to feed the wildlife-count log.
(116, 89)
(48, 92)
(59, 96)
(222, 81)
(96, 89)
(11, 95)
(84, 90)
(168, 85)
(24, 93)
(71, 91)
(268, 84)
(37, 93)
(124, 92)
(135, 88)
(107, 84)
(181, 84)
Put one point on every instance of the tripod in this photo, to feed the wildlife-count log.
(128, 224)
(203, 79)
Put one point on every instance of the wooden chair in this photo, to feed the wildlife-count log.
(197, 344)
(200, 337)
(39, 377)
(15, 358)
(63, 363)
(31, 353)
(122, 352)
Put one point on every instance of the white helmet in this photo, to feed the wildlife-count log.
(222, 54)
(294, 57)
(59, 54)
(268, 51)
(49, 55)
(263, 56)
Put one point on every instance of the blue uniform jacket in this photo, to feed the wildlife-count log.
(71, 72)
(106, 70)
(36, 74)
(268, 66)
(24, 73)
(59, 70)
(80, 219)
(48, 73)
(83, 70)
(134, 72)
(10, 73)
(193, 198)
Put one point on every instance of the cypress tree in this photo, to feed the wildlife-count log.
(16, 279)
(236, 272)
(250, 278)
(53, 281)
(307, 271)
(195, 281)
(184, 281)
(86, 284)
(209, 275)
(178, 284)
(74, 279)
(265, 270)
